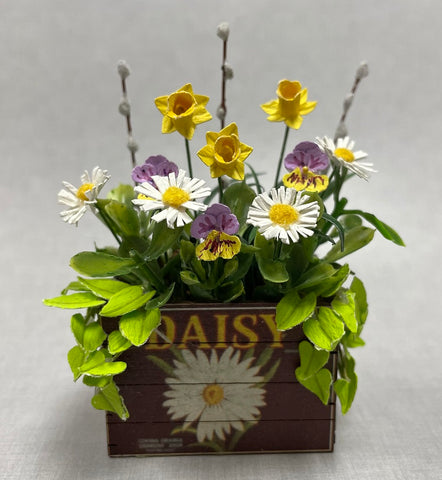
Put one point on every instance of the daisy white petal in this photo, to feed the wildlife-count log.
(285, 216)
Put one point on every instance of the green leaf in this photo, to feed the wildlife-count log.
(137, 326)
(75, 287)
(163, 238)
(126, 300)
(187, 251)
(104, 288)
(355, 239)
(109, 398)
(229, 292)
(93, 336)
(344, 305)
(319, 384)
(292, 310)
(76, 357)
(361, 305)
(271, 270)
(312, 360)
(386, 231)
(189, 278)
(315, 275)
(338, 226)
(99, 264)
(161, 299)
(78, 326)
(330, 286)
(238, 197)
(97, 366)
(123, 193)
(117, 343)
(326, 330)
(75, 300)
(96, 381)
(345, 388)
(124, 217)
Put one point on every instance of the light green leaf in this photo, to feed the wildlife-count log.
(319, 384)
(315, 276)
(385, 230)
(104, 288)
(345, 388)
(137, 326)
(271, 270)
(96, 381)
(99, 264)
(78, 326)
(292, 310)
(93, 336)
(75, 300)
(123, 193)
(355, 239)
(330, 286)
(109, 398)
(126, 300)
(117, 343)
(97, 366)
(76, 358)
(312, 360)
(75, 287)
(361, 304)
(125, 217)
(326, 330)
(344, 305)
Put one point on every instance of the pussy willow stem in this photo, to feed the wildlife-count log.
(189, 160)
(223, 85)
(128, 121)
(284, 143)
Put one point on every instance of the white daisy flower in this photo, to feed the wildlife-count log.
(219, 394)
(342, 152)
(172, 195)
(77, 199)
(284, 214)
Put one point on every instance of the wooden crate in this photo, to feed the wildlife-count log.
(219, 379)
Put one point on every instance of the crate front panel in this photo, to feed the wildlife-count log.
(218, 379)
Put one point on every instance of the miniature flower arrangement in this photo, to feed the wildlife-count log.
(179, 239)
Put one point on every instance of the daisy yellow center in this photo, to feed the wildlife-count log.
(175, 197)
(225, 148)
(345, 154)
(283, 215)
(81, 192)
(180, 102)
(213, 394)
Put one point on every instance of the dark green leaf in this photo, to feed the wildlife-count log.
(315, 276)
(163, 238)
(238, 197)
(271, 270)
(338, 226)
(355, 239)
(124, 217)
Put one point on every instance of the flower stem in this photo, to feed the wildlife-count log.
(221, 192)
(189, 160)
(277, 250)
(223, 86)
(284, 143)
(107, 221)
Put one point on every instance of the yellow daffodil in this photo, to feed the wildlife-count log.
(224, 153)
(305, 179)
(183, 110)
(290, 105)
(218, 244)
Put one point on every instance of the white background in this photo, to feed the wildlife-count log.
(59, 94)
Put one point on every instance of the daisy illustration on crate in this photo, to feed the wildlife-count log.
(237, 292)
(216, 394)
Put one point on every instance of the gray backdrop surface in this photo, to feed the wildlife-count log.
(58, 116)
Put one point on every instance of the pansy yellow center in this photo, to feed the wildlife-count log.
(225, 147)
(283, 215)
(180, 102)
(288, 90)
(175, 197)
(81, 192)
(345, 154)
(213, 394)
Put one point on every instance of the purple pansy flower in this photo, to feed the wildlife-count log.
(217, 217)
(307, 154)
(155, 165)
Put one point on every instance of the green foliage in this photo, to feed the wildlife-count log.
(75, 300)
(346, 386)
(238, 197)
(99, 264)
(355, 239)
(293, 310)
(109, 398)
(126, 300)
(117, 343)
(325, 329)
(138, 325)
(103, 288)
(270, 268)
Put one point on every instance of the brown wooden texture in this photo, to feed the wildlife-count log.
(219, 379)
